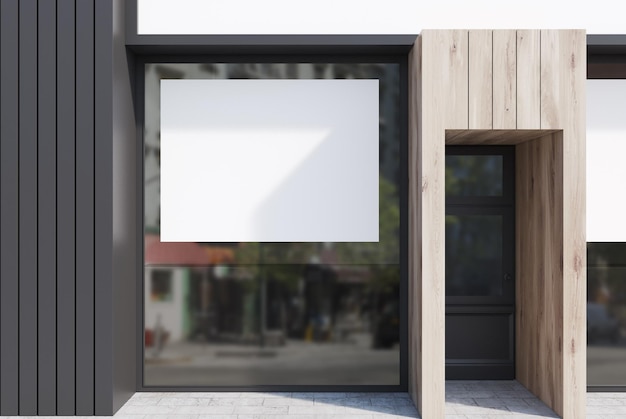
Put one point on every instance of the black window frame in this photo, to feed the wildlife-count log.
(606, 60)
(277, 54)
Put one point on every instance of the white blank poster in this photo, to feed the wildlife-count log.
(269, 160)
(606, 164)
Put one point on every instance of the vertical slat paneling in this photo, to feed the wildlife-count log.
(9, 210)
(454, 69)
(480, 83)
(504, 79)
(84, 208)
(66, 333)
(28, 207)
(528, 79)
(443, 91)
(550, 81)
(47, 269)
(103, 149)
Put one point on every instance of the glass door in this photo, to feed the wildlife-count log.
(480, 262)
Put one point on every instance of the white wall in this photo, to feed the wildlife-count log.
(373, 16)
(606, 160)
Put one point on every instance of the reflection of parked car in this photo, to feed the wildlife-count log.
(601, 324)
(387, 330)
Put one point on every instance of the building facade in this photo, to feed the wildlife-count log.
(481, 267)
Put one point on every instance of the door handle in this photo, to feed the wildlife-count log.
(508, 277)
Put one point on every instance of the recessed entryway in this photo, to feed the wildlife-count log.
(480, 262)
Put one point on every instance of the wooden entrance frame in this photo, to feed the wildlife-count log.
(521, 87)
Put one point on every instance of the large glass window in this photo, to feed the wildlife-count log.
(273, 313)
(606, 314)
(606, 229)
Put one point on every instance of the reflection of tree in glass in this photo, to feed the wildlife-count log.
(473, 175)
(384, 255)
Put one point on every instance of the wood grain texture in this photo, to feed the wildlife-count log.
(480, 82)
(528, 101)
(442, 92)
(504, 79)
(493, 137)
(539, 275)
(563, 72)
(546, 90)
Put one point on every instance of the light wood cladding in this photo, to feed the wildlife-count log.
(539, 274)
(538, 104)
(480, 79)
(563, 103)
(443, 57)
(493, 136)
(528, 79)
(504, 79)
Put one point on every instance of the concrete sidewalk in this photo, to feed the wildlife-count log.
(464, 400)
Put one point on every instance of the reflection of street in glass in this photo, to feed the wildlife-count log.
(297, 362)
(606, 314)
(279, 313)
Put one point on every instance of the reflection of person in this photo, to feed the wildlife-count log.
(159, 336)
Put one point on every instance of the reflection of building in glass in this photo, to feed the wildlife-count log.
(330, 308)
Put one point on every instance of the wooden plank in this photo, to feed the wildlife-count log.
(66, 246)
(550, 81)
(103, 217)
(564, 72)
(85, 208)
(9, 209)
(453, 68)
(28, 208)
(442, 91)
(480, 80)
(540, 244)
(46, 252)
(528, 79)
(504, 79)
(493, 137)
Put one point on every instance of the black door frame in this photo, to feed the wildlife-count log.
(486, 305)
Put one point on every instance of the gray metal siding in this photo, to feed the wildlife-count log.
(28, 207)
(64, 341)
(84, 208)
(9, 211)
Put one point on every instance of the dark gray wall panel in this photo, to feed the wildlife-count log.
(84, 208)
(103, 238)
(67, 305)
(28, 207)
(124, 209)
(47, 268)
(9, 198)
(66, 344)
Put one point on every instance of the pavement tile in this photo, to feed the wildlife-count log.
(284, 401)
(143, 401)
(178, 401)
(258, 410)
(316, 409)
(606, 401)
(242, 401)
(204, 410)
